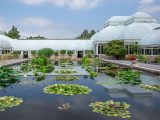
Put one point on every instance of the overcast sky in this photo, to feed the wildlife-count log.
(67, 18)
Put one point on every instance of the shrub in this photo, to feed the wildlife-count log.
(143, 58)
(157, 59)
(63, 52)
(130, 57)
(46, 52)
(85, 61)
(70, 53)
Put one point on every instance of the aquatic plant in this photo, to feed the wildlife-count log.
(26, 67)
(64, 106)
(111, 108)
(93, 74)
(67, 89)
(8, 76)
(65, 71)
(66, 78)
(129, 77)
(151, 87)
(9, 102)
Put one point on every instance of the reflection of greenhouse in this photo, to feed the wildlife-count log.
(139, 28)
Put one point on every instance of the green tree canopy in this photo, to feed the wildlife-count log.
(115, 48)
(13, 33)
(86, 34)
(35, 38)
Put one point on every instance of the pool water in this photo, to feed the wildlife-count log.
(40, 106)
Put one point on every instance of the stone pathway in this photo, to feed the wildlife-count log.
(12, 62)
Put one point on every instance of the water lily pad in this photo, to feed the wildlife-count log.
(64, 106)
(9, 102)
(67, 89)
(111, 108)
(66, 78)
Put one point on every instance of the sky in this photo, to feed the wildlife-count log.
(67, 18)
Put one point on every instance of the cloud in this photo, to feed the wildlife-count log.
(40, 22)
(73, 4)
(32, 26)
(149, 6)
(146, 1)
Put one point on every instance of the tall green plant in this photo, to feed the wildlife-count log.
(46, 52)
(63, 52)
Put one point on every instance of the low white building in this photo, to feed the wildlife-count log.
(139, 28)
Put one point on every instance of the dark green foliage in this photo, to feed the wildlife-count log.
(115, 48)
(70, 52)
(33, 52)
(67, 89)
(93, 74)
(65, 61)
(63, 52)
(8, 76)
(42, 65)
(45, 52)
(26, 67)
(112, 109)
(89, 53)
(112, 69)
(36, 38)
(13, 33)
(86, 34)
(129, 77)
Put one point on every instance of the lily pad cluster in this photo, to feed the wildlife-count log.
(129, 77)
(111, 108)
(67, 89)
(65, 71)
(9, 102)
(151, 87)
(66, 78)
(8, 76)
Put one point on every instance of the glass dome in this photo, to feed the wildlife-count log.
(5, 42)
(152, 38)
(109, 33)
(136, 31)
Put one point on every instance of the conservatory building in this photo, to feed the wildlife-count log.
(139, 28)
(132, 29)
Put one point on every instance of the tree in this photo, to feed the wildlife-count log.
(35, 38)
(45, 52)
(63, 52)
(70, 52)
(86, 34)
(13, 33)
(115, 48)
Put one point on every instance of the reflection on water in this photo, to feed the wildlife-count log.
(40, 106)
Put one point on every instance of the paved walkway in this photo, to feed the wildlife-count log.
(12, 62)
(140, 66)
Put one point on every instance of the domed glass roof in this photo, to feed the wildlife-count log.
(5, 41)
(152, 38)
(136, 31)
(109, 33)
(141, 14)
